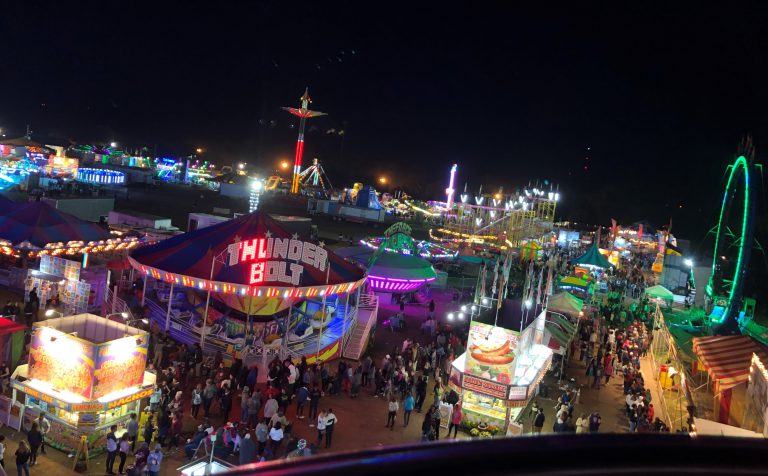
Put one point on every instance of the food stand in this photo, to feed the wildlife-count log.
(87, 374)
(498, 376)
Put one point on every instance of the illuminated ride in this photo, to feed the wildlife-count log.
(303, 113)
(314, 177)
(100, 176)
(502, 220)
(733, 244)
(394, 266)
(249, 287)
(424, 248)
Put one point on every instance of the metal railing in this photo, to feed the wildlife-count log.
(367, 302)
(113, 304)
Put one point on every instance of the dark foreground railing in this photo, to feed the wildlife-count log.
(602, 454)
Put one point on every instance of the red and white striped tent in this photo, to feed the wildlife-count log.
(727, 358)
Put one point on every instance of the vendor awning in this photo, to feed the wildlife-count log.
(661, 292)
(566, 303)
(593, 258)
(560, 331)
(727, 358)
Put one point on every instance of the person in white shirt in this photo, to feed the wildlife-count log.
(330, 424)
(320, 426)
(276, 437)
(392, 415)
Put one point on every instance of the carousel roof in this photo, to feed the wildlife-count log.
(246, 255)
(37, 224)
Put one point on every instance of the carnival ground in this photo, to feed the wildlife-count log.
(362, 420)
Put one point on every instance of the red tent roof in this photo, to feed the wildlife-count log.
(287, 264)
(8, 326)
(727, 358)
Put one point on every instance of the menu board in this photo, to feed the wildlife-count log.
(120, 365)
(491, 353)
(64, 361)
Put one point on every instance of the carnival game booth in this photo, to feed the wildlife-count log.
(86, 373)
(727, 361)
(499, 375)
(248, 287)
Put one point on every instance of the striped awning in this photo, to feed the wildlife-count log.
(727, 358)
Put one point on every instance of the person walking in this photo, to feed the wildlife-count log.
(112, 448)
(254, 404)
(247, 450)
(153, 461)
(262, 435)
(436, 418)
(34, 437)
(276, 438)
(132, 430)
(197, 400)
(22, 458)
(393, 406)
(320, 427)
(44, 426)
(209, 393)
(149, 430)
(594, 422)
(225, 401)
(408, 405)
(538, 421)
(330, 425)
(124, 448)
(456, 416)
(314, 401)
(582, 424)
(302, 395)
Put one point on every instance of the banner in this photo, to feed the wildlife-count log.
(64, 361)
(491, 353)
(120, 365)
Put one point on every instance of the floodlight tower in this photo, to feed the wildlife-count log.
(303, 113)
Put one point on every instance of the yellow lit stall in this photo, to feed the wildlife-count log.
(86, 373)
(497, 377)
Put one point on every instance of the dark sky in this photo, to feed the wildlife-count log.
(660, 96)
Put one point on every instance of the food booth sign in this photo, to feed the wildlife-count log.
(491, 353)
(120, 365)
(269, 259)
(64, 361)
(486, 387)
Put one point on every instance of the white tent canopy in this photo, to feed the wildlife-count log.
(660, 291)
(712, 428)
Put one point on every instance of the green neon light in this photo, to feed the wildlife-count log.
(741, 161)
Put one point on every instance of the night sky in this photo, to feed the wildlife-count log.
(656, 98)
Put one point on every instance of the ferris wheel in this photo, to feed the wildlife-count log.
(734, 235)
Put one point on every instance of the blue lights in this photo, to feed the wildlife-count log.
(100, 176)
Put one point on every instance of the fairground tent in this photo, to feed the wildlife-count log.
(36, 224)
(565, 303)
(214, 259)
(558, 333)
(593, 258)
(529, 251)
(660, 292)
(572, 282)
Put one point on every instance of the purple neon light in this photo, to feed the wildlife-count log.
(396, 284)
